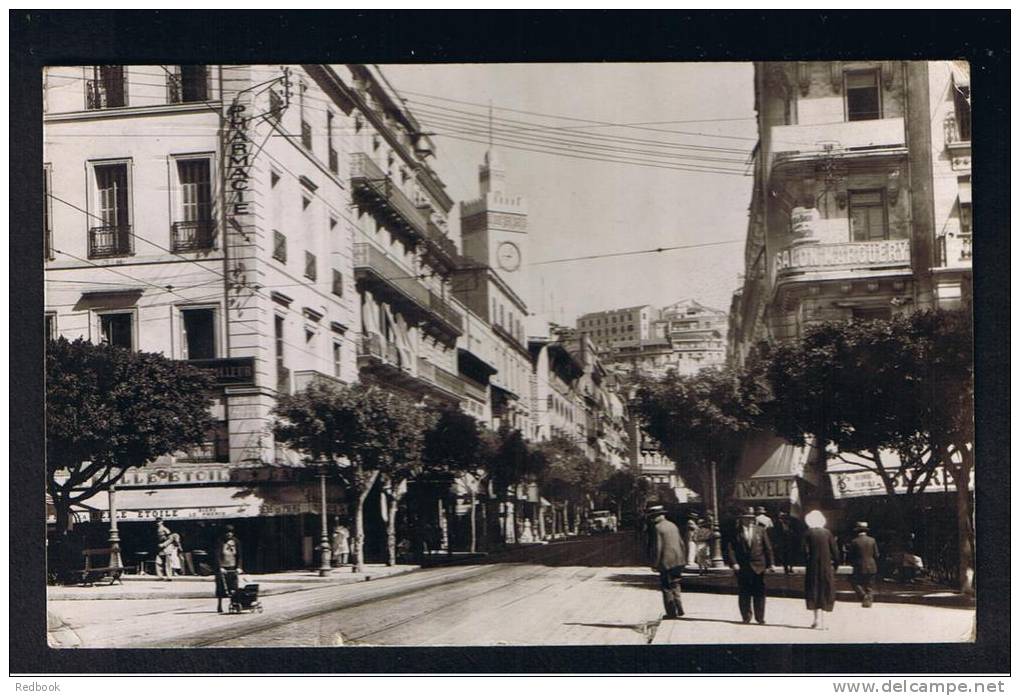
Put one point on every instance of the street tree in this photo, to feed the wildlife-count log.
(698, 420)
(454, 447)
(363, 430)
(569, 474)
(109, 409)
(902, 386)
(625, 491)
(511, 463)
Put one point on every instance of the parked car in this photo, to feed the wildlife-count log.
(602, 522)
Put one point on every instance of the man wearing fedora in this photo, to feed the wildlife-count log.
(750, 556)
(667, 558)
(862, 555)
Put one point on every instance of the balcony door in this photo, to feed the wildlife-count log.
(112, 189)
(868, 218)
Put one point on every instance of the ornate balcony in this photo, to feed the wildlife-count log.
(304, 378)
(193, 235)
(396, 283)
(848, 256)
(109, 241)
(374, 186)
(809, 142)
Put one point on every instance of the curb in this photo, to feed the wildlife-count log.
(273, 587)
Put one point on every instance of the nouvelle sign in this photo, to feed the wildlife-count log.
(764, 489)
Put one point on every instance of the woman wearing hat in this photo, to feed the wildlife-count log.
(821, 560)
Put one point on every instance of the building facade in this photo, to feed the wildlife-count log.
(615, 327)
(860, 209)
(192, 214)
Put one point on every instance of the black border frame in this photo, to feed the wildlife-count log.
(86, 37)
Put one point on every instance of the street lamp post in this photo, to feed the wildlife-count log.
(717, 557)
(114, 533)
(324, 547)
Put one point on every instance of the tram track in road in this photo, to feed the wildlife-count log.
(323, 603)
(545, 570)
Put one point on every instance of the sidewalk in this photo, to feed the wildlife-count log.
(203, 587)
(723, 581)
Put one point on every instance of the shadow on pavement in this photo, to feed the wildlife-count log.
(694, 619)
(649, 579)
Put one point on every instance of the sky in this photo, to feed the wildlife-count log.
(697, 115)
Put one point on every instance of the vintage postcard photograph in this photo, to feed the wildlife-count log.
(508, 354)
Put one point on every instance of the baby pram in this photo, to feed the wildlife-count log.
(245, 598)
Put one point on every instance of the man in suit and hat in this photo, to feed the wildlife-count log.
(667, 558)
(750, 556)
(862, 554)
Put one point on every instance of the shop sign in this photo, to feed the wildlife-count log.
(229, 372)
(764, 489)
(180, 514)
(238, 161)
(188, 475)
(864, 483)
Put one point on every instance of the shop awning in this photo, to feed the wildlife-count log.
(852, 476)
(769, 469)
(219, 502)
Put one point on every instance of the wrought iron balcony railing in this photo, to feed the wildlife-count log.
(371, 181)
(193, 235)
(109, 240)
(104, 94)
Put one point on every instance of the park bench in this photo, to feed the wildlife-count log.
(93, 573)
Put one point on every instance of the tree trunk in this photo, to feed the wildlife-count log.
(392, 502)
(60, 554)
(474, 535)
(961, 477)
(364, 483)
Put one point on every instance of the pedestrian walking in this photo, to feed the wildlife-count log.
(821, 558)
(750, 556)
(761, 518)
(340, 544)
(692, 541)
(228, 566)
(175, 551)
(862, 554)
(667, 559)
(164, 571)
(702, 538)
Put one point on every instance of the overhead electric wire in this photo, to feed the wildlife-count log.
(460, 122)
(577, 119)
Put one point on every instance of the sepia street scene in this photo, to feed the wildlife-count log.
(346, 355)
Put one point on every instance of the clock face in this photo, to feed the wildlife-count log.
(509, 256)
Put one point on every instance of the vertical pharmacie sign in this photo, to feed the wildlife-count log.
(238, 162)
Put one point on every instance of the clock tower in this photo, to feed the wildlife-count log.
(494, 228)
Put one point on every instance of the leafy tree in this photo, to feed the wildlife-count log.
(569, 474)
(698, 419)
(452, 447)
(903, 385)
(366, 431)
(510, 462)
(109, 409)
(625, 491)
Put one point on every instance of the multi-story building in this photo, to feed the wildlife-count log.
(860, 209)
(615, 327)
(492, 283)
(277, 225)
(202, 212)
(696, 333)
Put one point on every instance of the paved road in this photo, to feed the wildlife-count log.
(589, 591)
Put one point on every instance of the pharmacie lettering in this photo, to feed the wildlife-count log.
(238, 160)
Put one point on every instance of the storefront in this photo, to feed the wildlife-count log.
(275, 511)
(776, 475)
